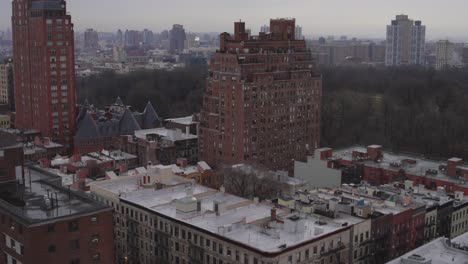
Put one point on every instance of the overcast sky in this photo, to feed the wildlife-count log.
(361, 18)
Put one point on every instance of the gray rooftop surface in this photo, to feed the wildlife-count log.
(38, 185)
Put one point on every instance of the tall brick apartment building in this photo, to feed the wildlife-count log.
(262, 99)
(44, 68)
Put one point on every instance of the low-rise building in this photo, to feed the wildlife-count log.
(377, 166)
(160, 145)
(316, 171)
(164, 218)
(97, 128)
(441, 250)
(42, 222)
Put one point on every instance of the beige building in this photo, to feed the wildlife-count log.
(5, 121)
(6, 82)
(445, 54)
(163, 218)
(405, 42)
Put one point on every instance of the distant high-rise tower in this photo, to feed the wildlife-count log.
(177, 39)
(405, 42)
(148, 37)
(119, 38)
(262, 99)
(44, 68)
(265, 29)
(299, 33)
(91, 39)
(445, 54)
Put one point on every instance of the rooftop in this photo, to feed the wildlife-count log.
(439, 251)
(166, 134)
(42, 199)
(188, 120)
(411, 164)
(237, 219)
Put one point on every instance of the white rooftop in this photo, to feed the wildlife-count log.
(238, 219)
(188, 120)
(393, 161)
(167, 134)
(440, 251)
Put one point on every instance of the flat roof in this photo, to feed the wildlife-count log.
(440, 251)
(241, 220)
(394, 161)
(188, 120)
(167, 134)
(31, 202)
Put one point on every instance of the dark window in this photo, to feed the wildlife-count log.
(51, 228)
(51, 249)
(73, 226)
(75, 244)
(75, 261)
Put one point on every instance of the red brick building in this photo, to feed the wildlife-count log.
(378, 167)
(42, 222)
(44, 68)
(262, 99)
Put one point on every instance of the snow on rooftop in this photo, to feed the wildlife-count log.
(440, 251)
(188, 120)
(421, 167)
(167, 134)
(204, 165)
(238, 219)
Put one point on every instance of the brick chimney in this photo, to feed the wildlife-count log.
(374, 152)
(452, 166)
(273, 214)
(323, 153)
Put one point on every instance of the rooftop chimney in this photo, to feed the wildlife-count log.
(273, 214)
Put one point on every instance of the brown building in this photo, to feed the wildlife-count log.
(44, 68)
(262, 99)
(160, 146)
(42, 222)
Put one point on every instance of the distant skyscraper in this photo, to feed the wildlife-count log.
(148, 37)
(265, 29)
(91, 39)
(133, 38)
(44, 68)
(445, 54)
(119, 39)
(299, 33)
(177, 39)
(405, 42)
(262, 99)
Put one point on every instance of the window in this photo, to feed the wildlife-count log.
(75, 261)
(75, 244)
(51, 249)
(73, 226)
(96, 257)
(94, 219)
(50, 228)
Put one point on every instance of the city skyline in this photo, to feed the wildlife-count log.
(366, 19)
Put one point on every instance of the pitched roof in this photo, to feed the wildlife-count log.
(150, 117)
(87, 128)
(128, 123)
(119, 101)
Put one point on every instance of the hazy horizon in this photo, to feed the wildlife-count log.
(359, 18)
